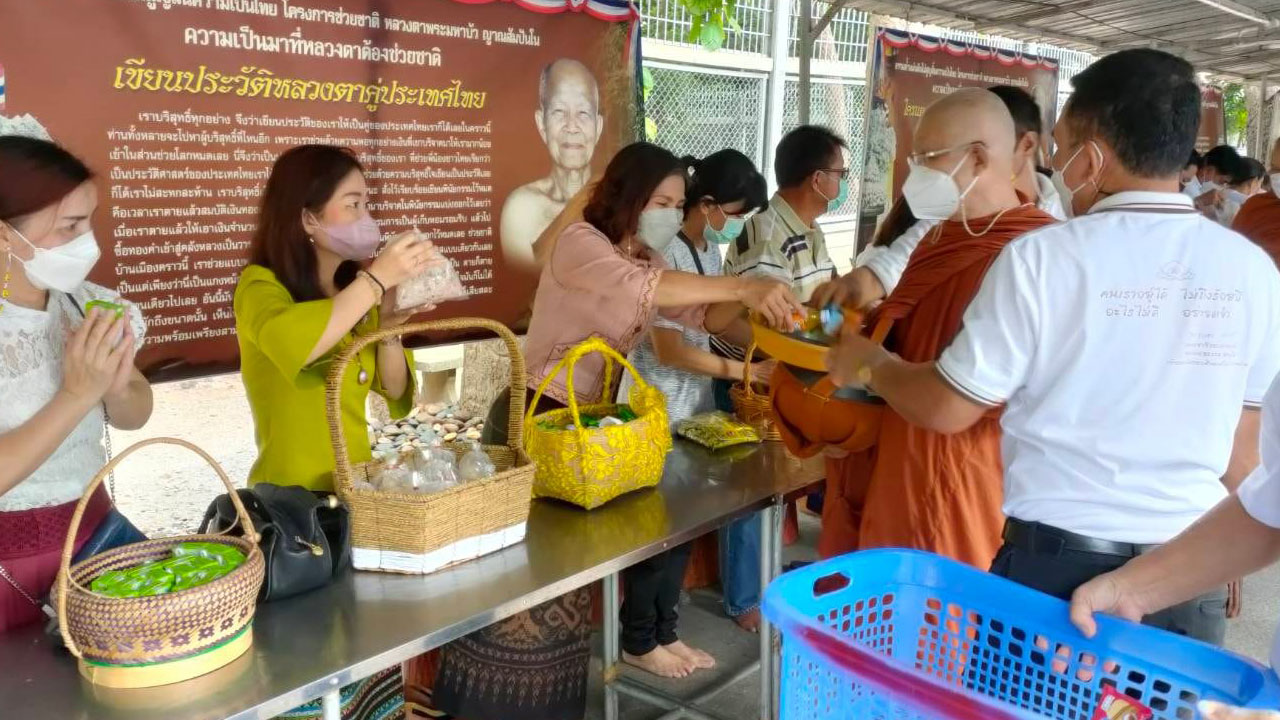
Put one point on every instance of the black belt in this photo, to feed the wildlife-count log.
(1041, 539)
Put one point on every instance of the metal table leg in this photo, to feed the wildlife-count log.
(770, 568)
(612, 654)
(331, 704)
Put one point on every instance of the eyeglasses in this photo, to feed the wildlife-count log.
(919, 157)
(842, 172)
(745, 215)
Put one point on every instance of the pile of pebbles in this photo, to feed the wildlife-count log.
(423, 425)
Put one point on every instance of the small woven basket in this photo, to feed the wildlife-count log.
(589, 466)
(751, 401)
(418, 534)
(161, 638)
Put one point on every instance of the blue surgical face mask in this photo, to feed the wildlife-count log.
(834, 203)
(732, 229)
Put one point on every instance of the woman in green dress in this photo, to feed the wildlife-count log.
(301, 300)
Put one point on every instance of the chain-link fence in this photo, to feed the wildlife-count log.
(840, 106)
(699, 112)
(667, 20)
(844, 40)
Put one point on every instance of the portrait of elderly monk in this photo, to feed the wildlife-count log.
(568, 119)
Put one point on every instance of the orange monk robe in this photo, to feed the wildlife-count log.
(1259, 220)
(916, 488)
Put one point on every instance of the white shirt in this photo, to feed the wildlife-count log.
(1260, 493)
(31, 348)
(889, 265)
(687, 393)
(1231, 202)
(1123, 345)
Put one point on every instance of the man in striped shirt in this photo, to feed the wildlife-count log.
(784, 242)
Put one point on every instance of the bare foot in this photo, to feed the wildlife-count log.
(749, 621)
(661, 662)
(700, 659)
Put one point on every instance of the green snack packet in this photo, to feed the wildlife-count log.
(222, 554)
(151, 571)
(227, 556)
(150, 579)
(159, 586)
(625, 413)
(109, 582)
(105, 305)
(211, 572)
(192, 579)
(187, 564)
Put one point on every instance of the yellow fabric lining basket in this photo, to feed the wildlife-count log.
(589, 467)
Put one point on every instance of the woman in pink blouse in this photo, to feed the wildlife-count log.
(605, 278)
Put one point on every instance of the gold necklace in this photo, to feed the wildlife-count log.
(4, 285)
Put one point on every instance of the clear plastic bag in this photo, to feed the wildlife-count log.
(476, 464)
(438, 283)
(434, 470)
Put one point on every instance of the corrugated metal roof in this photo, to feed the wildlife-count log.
(1205, 32)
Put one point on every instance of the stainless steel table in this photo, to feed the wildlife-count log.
(308, 647)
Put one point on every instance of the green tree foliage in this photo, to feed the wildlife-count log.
(712, 19)
(1237, 113)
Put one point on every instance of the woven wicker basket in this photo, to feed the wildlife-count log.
(156, 640)
(589, 466)
(417, 534)
(751, 401)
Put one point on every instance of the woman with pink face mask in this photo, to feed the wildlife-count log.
(307, 292)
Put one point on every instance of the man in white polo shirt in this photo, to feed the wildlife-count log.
(1128, 347)
(1248, 524)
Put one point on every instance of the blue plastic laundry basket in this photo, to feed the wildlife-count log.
(902, 634)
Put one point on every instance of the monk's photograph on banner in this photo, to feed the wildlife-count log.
(908, 72)
(475, 123)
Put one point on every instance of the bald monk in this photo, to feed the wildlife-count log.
(872, 281)
(922, 489)
(1259, 217)
(569, 121)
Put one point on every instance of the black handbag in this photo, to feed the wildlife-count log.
(305, 537)
(114, 531)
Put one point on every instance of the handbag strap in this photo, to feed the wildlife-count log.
(44, 607)
(106, 418)
(693, 250)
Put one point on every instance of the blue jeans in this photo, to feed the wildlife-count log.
(739, 543)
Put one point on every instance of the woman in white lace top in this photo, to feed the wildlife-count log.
(60, 368)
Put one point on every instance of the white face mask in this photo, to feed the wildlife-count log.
(932, 194)
(1275, 183)
(63, 268)
(1060, 184)
(659, 226)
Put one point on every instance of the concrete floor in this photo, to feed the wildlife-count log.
(703, 625)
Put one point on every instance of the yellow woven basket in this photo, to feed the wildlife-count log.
(591, 466)
(160, 639)
(751, 401)
(418, 534)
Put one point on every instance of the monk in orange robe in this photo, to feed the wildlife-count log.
(915, 488)
(1259, 217)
